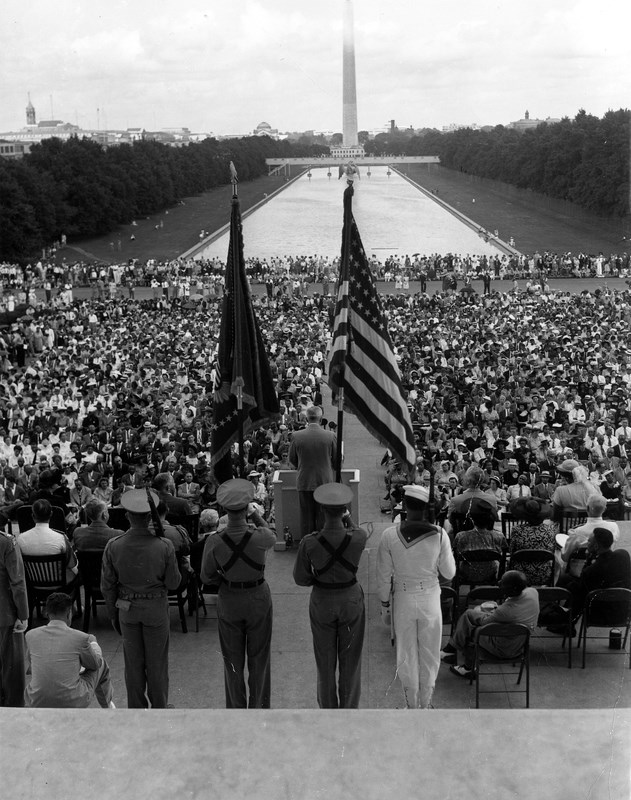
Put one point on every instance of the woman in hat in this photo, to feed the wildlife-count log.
(571, 496)
(532, 531)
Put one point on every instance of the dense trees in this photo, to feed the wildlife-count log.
(584, 160)
(80, 188)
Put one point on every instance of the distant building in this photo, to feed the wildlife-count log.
(527, 123)
(13, 149)
(30, 112)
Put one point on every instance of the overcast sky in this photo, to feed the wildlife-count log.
(224, 67)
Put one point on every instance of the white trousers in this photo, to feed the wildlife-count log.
(418, 629)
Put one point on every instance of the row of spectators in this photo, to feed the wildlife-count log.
(316, 268)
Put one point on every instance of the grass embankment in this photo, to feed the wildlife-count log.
(535, 221)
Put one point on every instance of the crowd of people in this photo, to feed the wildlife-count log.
(103, 396)
(54, 274)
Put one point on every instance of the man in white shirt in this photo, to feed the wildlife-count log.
(42, 540)
(579, 537)
(520, 489)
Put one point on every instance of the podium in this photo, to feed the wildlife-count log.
(288, 507)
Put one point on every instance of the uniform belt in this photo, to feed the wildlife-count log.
(243, 584)
(142, 596)
(413, 586)
(334, 586)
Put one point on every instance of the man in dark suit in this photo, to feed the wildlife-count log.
(608, 569)
(97, 533)
(312, 453)
(544, 489)
(176, 506)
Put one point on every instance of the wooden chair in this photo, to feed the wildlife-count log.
(117, 518)
(90, 563)
(517, 633)
(507, 520)
(572, 519)
(45, 575)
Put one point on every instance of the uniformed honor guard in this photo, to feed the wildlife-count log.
(139, 569)
(13, 622)
(236, 557)
(328, 560)
(412, 558)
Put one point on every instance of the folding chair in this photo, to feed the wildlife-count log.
(488, 635)
(522, 559)
(572, 519)
(606, 608)
(507, 520)
(474, 558)
(550, 598)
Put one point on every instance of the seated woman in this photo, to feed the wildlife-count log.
(103, 491)
(495, 489)
(480, 537)
(533, 530)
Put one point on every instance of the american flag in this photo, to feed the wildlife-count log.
(242, 365)
(362, 360)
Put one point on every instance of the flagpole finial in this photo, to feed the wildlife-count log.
(234, 179)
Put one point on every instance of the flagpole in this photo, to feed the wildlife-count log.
(239, 382)
(344, 270)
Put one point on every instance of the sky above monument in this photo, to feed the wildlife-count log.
(226, 66)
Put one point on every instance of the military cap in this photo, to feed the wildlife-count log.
(333, 494)
(235, 494)
(135, 500)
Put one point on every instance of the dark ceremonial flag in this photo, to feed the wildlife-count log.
(243, 375)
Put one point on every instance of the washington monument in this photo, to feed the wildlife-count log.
(349, 92)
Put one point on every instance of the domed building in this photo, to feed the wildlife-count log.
(265, 129)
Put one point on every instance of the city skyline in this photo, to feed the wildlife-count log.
(225, 67)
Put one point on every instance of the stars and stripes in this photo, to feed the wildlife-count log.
(242, 368)
(362, 360)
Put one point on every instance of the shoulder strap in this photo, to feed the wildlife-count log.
(335, 555)
(238, 553)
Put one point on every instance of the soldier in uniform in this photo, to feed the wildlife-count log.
(13, 622)
(328, 561)
(139, 568)
(244, 607)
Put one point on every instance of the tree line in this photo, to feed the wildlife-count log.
(80, 188)
(584, 160)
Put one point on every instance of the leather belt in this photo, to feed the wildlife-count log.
(139, 596)
(334, 586)
(242, 584)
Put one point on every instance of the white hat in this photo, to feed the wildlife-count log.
(417, 492)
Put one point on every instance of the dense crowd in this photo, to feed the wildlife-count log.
(514, 383)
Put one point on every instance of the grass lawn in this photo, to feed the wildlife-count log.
(181, 226)
(534, 221)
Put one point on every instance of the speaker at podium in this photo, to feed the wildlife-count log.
(288, 507)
